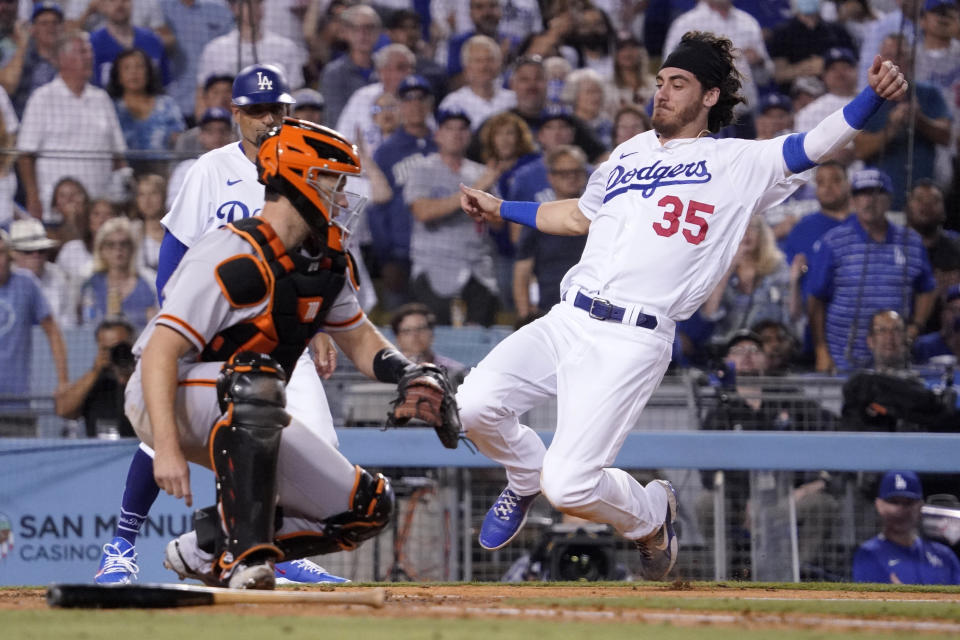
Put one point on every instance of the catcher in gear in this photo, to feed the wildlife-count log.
(212, 369)
(424, 393)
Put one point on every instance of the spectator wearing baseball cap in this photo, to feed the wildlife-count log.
(899, 135)
(557, 127)
(840, 79)
(309, 105)
(214, 130)
(773, 116)
(805, 90)
(217, 92)
(451, 264)
(899, 554)
(390, 220)
(798, 45)
(865, 264)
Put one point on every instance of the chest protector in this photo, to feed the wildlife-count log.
(299, 291)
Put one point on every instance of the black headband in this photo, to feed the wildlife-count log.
(700, 59)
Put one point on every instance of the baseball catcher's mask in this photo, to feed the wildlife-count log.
(309, 165)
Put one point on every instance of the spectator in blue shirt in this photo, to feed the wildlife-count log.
(862, 266)
(119, 34)
(899, 555)
(22, 305)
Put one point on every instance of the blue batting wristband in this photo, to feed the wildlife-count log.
(862, 107)
(523, 212)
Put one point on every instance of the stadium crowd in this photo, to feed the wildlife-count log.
(105, 105)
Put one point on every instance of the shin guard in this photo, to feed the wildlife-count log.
(244, 447)
(371, 505)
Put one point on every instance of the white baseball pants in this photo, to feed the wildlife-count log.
(603, 374)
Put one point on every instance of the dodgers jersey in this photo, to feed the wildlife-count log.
(196, 307)
(219, 188)
(666, 220)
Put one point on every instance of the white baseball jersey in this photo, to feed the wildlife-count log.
(221, 187)
(666, 220)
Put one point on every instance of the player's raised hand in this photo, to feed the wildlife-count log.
(886, 79)
(479, 205)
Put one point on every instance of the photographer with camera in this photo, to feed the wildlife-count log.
(97, 395)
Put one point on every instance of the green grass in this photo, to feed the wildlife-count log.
(946, 611)
(108, 625)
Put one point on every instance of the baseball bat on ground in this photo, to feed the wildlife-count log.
(157, 596)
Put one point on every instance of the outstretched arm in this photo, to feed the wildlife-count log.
(802, 151)
(559, 218)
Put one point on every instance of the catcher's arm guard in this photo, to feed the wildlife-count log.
(424, 393)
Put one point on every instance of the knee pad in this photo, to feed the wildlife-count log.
(244, 446)
(371, 505)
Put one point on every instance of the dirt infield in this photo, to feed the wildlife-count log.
(681, 604)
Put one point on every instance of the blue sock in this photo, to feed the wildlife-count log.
(138, 496)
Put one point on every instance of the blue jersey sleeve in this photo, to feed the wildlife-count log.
(171, 252)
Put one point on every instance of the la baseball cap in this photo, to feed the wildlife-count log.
(934, 5)
(40, 7)
(808, 84)
(900, 484)
(449, 114)
(215, 114)
(838, 54)
(866, 179)
(556, 112)
(774, 101)
(414, 82)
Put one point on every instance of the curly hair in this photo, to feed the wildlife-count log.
(154, 85)
(721, 114)
(506, 119)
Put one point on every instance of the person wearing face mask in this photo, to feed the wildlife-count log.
(797, 46)
(593, 39)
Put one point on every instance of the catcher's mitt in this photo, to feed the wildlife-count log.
(424, 393)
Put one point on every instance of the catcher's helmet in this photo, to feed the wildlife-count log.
(261, 84)
(292, 160)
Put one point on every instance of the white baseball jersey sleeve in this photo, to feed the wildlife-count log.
(221, 187)
(666, 220)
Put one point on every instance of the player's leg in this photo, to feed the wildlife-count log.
(599, 400)
(243, 450)
(516, 376)
(307, 402)
(118, 564)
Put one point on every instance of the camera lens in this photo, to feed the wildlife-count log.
(121, 354)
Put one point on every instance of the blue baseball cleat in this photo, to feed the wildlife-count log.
(505, 519)
(658, 551)
(118, 565)
(303, 571)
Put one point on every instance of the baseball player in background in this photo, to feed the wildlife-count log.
(663, 217)
(209, 386)
(222, 187)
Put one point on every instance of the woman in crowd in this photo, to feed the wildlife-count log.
(67, 204)
(149, 203)
(587, 94)
(115, 288)
(76, 256)
(631, 71)
(629, 121)
(150, 119)
(506, 143)
(756, 286)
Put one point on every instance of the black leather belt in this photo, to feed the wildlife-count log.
(603, 310)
